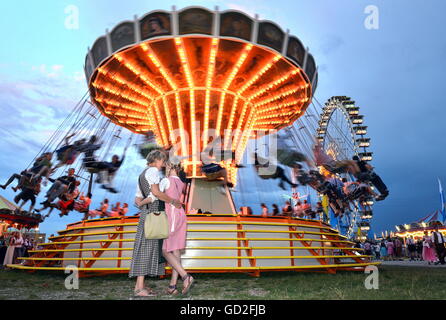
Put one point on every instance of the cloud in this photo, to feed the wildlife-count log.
(78, 76)
(323, 68)
(56, 72)
(32, 108)
(51, 72)
(331, 43)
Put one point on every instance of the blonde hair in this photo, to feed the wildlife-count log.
(175, 166)
(156, 155)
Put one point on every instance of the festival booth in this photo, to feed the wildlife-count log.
(12, 217)
(418, 228)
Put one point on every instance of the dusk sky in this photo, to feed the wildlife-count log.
(394, 73)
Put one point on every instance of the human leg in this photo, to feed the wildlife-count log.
(102, 177)
(108, 182)
(33, 203)
(44, 171)
(175, 274)
(49, 212)
(52, 189)
(283, 178)
(56, 190)
(174, 279)
(22, 204)
(18, 210)
(17, 198)
(10, 180)
(175, 263)
(224, 174)
(140, 289)
(111, 178)
(22, 181)
(379, 184)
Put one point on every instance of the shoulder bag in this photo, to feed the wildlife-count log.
(156, 225)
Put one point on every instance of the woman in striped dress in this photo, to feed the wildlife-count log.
(147, 254)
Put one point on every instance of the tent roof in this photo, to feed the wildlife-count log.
(6, 204)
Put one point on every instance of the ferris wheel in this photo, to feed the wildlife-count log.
(342, 133)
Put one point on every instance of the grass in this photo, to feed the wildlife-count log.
(395, 282)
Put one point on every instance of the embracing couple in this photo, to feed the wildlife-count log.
(157, 192)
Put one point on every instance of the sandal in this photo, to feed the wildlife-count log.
(172, 290)
(149, 292)
(187, 287)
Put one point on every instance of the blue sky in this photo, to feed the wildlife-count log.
(395, 74)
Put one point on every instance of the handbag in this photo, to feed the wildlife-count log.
(156, 225)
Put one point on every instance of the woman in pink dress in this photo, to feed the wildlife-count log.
(177, 227)
(390, 249)
(429, 254)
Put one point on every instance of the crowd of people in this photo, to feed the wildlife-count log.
(300, 209)
(429, 248)
(13, 246)
(103, 212)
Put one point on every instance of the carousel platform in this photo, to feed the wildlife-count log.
(215, 244)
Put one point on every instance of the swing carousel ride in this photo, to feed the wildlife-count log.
(191, 77)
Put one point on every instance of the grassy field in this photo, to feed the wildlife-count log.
(395, 282)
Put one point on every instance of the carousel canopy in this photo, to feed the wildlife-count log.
(193, 75)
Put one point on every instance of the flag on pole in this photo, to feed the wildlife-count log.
(442, 201)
